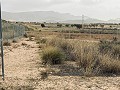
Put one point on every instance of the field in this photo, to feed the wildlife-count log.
(61, 57)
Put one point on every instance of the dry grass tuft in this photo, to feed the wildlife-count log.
(111, 48)
(88, 60)
(109, 65)
(52, 55)
(65, 47)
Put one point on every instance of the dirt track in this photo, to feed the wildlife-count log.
(22, 73)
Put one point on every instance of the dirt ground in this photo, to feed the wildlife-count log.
(22, 72)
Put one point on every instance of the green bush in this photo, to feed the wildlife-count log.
(52, 56)
(65, 46)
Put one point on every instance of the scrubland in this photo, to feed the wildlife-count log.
(64, 58)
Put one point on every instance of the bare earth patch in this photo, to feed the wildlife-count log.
(22, 72)
(20, 64)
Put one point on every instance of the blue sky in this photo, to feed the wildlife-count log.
(100, 9)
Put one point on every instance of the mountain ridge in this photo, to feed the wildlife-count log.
(51, 16)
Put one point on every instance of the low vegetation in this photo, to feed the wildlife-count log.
(92, 59)
(112, 48)
(64, 45)
(52, 55)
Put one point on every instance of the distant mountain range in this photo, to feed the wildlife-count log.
(51, 16)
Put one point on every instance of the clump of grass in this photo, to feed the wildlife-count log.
(65, 46)
(6, 43)
(52, 55)
(92, 62)
(88, 60)
(109, 65)
(111, 48)
(116, 51)
(105, 46)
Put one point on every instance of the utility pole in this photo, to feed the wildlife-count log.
(90, 31)
(117, 32)
(1, 42)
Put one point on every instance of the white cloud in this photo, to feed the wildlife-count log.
(102, 9)
(91, 2)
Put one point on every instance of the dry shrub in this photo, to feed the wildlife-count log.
(92, 62)
(88, 60)
(109, 65)
(64, 45)
(116, 51)
(112, 48)
(92, 59)
(104, 46)
(52, 55)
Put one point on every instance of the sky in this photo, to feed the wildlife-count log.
(99, 9)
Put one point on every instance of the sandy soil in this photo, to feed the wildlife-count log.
(22, 72)
(20, 64)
